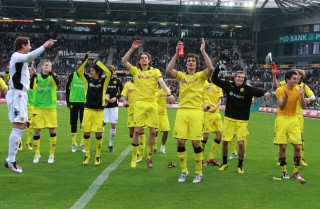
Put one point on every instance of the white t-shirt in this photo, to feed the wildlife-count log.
(19, 71)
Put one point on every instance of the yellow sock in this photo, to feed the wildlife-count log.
(198, 157)
(36, 146)
(86, 143)
(134, 153)
(284, 168)
(98, 146)
(233, 145)
(182, 156)
(53, 141)
(74, 138)
(213, 151)
(142, 144)
(149, 152)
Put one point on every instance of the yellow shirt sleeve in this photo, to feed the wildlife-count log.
(3, 85)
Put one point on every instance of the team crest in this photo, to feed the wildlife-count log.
(21, 118)
(242, 89)
(115, 82)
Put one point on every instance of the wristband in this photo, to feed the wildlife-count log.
(169, 95)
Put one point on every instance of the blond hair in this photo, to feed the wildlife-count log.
(301, 72)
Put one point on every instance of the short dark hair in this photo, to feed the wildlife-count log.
(21, 40)
(289, 74)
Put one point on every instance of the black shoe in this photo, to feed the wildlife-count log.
(110, 148)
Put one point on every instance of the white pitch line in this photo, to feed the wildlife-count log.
(87, 196)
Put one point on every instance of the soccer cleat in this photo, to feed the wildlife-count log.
(74, 148)
(204, 164)
(97, 161)
(183, 177)
(149, 162)
(139, 158)
(297, 175)
(163, 149)
(285, 175)
(233, 155)
(240, 170)
(15, 167)
(51, 159)
(213, 162)
(36, 158)
(134, 163)
(303, 163)
(29, 146)
(111, 148)
(86, 160)
(155, 151)
(82, 148)
(223, 167)
(197, 178)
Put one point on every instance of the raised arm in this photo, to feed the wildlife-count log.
(80, 69)
(274, 79)
(209, 70)
(170, 68)
(125, 59)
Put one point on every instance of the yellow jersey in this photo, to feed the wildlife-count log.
(146, 83)
(191, 89)
(129, 92)
(308, 92)
(291, 106)
(211, 94)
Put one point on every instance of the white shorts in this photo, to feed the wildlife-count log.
(110, 115)
(17, 106)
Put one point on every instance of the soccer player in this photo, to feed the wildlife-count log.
(111, 109)
(75, 98)
(96, 87)
(287, 128)
(310, 97)
(45, 87)
(237, 112)
(17, 96)
(146, 80)
(189, 117)
(163, 125)
(128, 99)
(212, 95)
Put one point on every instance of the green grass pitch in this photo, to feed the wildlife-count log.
(63, 183)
